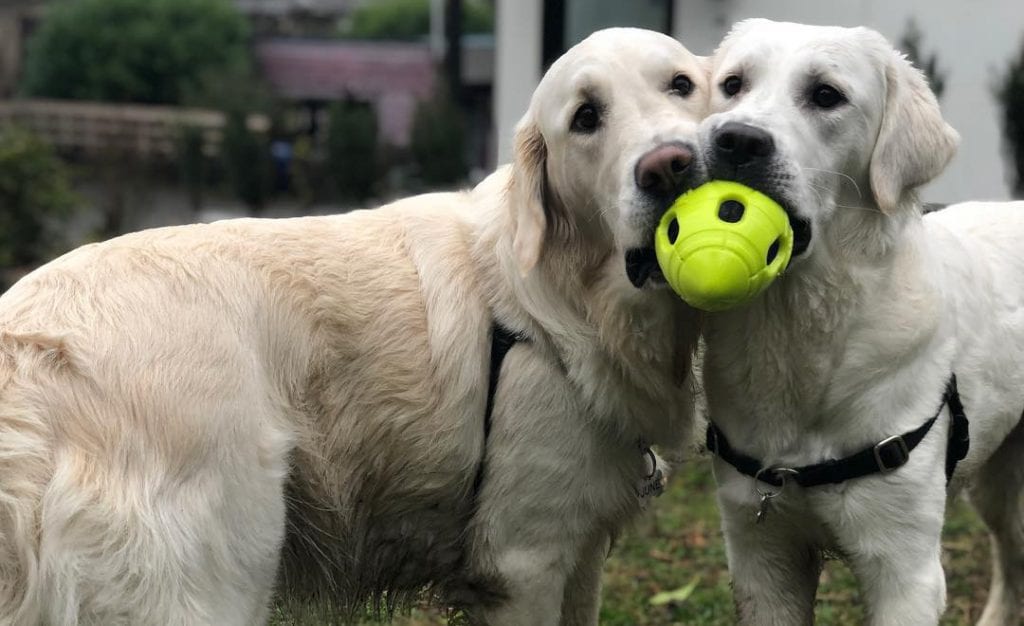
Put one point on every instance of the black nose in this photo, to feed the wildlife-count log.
(741, 144)
(662, 170)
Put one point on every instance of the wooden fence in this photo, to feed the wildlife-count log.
(96, 127)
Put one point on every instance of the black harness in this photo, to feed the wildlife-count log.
(502, 340)
(881, 458)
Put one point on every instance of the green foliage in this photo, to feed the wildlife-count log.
(150, 51)
(677, 547)
(438, 140)
(352, 149)
(409, 20)
(910, 45)
(192, 163)
(246, 156)
(34, 193)
(1010, 93)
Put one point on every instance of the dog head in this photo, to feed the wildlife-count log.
(608, 142)
(825, 120)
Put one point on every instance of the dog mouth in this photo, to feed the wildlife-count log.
(801, 231)
(642, 268)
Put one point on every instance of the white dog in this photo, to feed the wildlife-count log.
(185, 410)
(851, 351)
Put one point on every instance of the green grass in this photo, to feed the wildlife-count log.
(677, 546)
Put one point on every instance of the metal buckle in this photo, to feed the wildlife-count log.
(782, 473)
(901, 446)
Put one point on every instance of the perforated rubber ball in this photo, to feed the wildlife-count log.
(722, 244)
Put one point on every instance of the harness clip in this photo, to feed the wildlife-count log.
(891, 454)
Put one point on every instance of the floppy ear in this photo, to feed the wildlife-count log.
(914, 143)
(527, 194)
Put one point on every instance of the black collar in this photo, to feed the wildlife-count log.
(881, 458)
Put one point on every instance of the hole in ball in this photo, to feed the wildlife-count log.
(731, 211)
(773, 251)
(673, 230)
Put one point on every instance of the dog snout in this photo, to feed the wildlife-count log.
(662, 171)
(742, 144)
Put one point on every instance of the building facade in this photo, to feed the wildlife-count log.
(974, 40)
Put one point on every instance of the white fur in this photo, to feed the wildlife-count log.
(185, 410)
(855, 343)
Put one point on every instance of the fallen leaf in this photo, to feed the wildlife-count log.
(677, 596)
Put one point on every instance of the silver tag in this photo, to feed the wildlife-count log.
(762, 508)
(651, 486)
(653, 483)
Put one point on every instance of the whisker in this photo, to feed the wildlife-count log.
(856, 187)
(859, 208)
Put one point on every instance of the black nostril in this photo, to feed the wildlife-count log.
(662, 170)
(673, 230)
(740, 144)
(762, 146)
(731, 211)
(773, 251)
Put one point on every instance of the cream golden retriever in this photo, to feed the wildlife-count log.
(851, 350)
(193, 417)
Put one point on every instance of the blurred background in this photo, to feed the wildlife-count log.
(117, 115)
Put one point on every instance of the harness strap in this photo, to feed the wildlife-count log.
(502, 340)
(959, 430)
(881, 458)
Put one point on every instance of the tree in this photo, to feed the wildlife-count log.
(438, 140)
(246, 156)
(409, 20)
(34, 194)
(192, 163)
(352, 148)
(910, 44)
(150, 51)
(1010, 94)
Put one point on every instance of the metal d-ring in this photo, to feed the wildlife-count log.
(654, 462)
(782, 472)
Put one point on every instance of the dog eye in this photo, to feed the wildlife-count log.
(586, 119)
(827, 97)
(682, 84)
(732, 85)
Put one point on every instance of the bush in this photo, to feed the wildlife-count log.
(150, 51)
(438, 140)
(352, 149)
(192, 164)
(246, 157)
(34, 195)
(910, 45)
(409, 20)
(1010, 93)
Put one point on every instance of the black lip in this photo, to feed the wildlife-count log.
(641, 266)
(801, 232)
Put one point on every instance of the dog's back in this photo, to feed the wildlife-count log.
(169, 398)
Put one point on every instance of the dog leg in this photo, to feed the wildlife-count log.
(775, 573)
(904, 589)
(900, 574)
(189, 547)
(582, 600)
(535, 581)
(997, 495)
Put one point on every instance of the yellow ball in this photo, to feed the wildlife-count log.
(721, 244)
